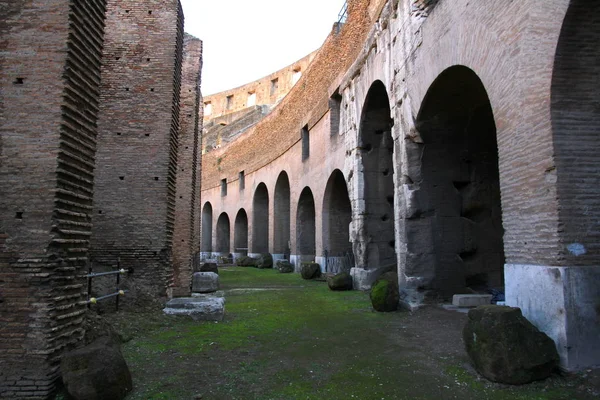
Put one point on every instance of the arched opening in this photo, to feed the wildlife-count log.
(337, 216)
(260, 220)
(281, 238)
(223, 234)
(240, 234)
(206, 242)
(377, 149)
(575, 111)
(305, 225)
(461, 222)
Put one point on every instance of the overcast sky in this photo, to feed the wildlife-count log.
(247, 39)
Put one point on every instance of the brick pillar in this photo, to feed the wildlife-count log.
(186, 236)
(134, 200)
(49, 82)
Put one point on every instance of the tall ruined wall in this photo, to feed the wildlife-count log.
(186, 236)
(134, 199)
(268, 90)
(49, 85)
(306, 103)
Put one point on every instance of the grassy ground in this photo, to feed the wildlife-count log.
(298, 340)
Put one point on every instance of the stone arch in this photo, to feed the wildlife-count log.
(575, 113)
(306, 226)
(223, 234)
(240, 234)
(260, 220)
(337, 216)
(455, 235)
(206, 242)
(374, 246)
(281, 217)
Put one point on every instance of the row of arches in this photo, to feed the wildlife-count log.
(336, 214)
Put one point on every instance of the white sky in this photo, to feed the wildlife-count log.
(245, 40)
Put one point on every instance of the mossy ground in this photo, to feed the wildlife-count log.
(299, 340)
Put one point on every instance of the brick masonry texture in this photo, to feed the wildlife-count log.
(50, 79)
(136, 164)
(186, 236)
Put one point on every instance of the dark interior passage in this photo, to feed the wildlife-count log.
(207, 215)
(305, 224)
(461, 186)
(337, 216)
(223, 233)
(240, 233)
(377, 149)
(281, 237)
(260, 220)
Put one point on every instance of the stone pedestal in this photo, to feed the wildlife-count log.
(563, 302)
(206, 308)
(363, 279)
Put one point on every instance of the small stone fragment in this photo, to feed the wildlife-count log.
(284, 266)
(310, 270)
(265, 261)
(341, 281)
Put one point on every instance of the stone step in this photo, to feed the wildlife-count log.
(198, 308)
(471, 300)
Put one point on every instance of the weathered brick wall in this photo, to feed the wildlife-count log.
(186, 236)
(305, 104)
(261, 87)
(134, 198)
(576, 127)
(49, 83)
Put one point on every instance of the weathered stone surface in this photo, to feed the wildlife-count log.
(284, 266)
(96, 372)
(205, 282)
(342, 281)
(246, 261)
(265, 261)
(505, 347)
(205, 308)
(208, 267)
(384, 293)
(471, 300)
(310, 270)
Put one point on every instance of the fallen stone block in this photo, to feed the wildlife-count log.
(384, 293)
(205, 282)
(95, 372)
(505, 347)
(310, 270)
(265, 261)
(341, 281)
(198, 308)
(284, 266)
(471, 300)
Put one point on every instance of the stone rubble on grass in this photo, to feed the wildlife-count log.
(265, 260)
(205, 282)
(384, 293)
(341, 281)
(206, 308)
(310, 270)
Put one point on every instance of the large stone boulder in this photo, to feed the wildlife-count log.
(384, 293)
(205, 282)
(284, 266)
(201, 308)
(505, 347)
(96, 372)
(246, 261)
(341, 281)
(208, 267)
(310, 270)
(265, 261)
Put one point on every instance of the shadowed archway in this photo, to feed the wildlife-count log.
(457, 239)
(240, 234)
(337, 216)
(281, 237)
(260, 220)
(223, 234)
(305, 225)
(206, 242)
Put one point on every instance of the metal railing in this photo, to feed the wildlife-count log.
(343, 14)
(119, 292)
(336, 263)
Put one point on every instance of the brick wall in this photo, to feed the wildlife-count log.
(49, 82)
(576, 126)
(134, 199)
(306, 103)
(186, 236)
(265, 92)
